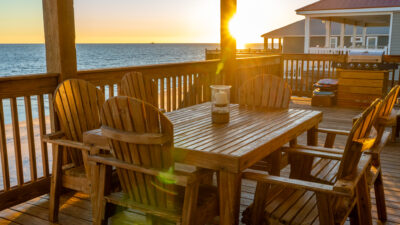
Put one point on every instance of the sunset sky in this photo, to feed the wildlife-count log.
(138, 21)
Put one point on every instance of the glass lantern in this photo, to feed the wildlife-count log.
(220, 99)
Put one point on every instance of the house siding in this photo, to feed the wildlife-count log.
(395, 45)
(293, 45)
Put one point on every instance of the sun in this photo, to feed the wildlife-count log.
(240, 29)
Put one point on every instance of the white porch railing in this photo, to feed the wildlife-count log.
(319, 50)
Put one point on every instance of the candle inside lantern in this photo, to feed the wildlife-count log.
(221, 98)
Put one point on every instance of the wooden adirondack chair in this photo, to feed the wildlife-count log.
(268, 92)
(343, 192)
(135, 85)
(141, 138)
(385, 118)
(77, 104)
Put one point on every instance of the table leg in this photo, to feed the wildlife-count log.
(229, 197)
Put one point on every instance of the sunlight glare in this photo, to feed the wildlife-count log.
(237, 28)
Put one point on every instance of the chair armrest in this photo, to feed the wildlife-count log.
(320, 149)
(173, 177)
(163, 110)
(377, 149)
(334, 131)
(293, 183)
(349, 185)
(314, 153)
(389, 120)
(52, 136)
(68, 143)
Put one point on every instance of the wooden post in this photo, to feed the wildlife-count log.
(354, 36)
(59, 29)
(265, 43)
(364, 36)
(280, 44)
(307, 35)
(272, 43)
(228, 42)
(327, 34)
(342, 31)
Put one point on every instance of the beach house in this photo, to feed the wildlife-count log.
(335, 26)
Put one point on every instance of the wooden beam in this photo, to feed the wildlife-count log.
(342, 32)
(327, 34)
(59, 29)
(228, 42)
(307, 35)
(364, 36)
(353, 45)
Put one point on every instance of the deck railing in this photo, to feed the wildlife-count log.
(301, 71)
(26, 113)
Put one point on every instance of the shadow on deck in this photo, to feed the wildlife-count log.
(76, 207)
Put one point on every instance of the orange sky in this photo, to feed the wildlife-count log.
(138, 21)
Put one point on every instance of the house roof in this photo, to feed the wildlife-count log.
(349, 4)
(317, 28)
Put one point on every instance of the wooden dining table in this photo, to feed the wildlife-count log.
(229, 149)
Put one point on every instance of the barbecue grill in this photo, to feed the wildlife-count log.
(364, 60)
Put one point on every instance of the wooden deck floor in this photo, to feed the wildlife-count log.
(76, 208)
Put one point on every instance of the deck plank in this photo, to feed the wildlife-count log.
(76, 207)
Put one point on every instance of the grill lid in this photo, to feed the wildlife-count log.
(370, 56)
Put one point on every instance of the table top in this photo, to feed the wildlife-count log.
(250, 135)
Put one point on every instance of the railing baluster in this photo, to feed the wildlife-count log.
(157, 81)
(179, 91)
(17, 141)
(168, 94)
(111, 90)
(42, 127)
(174, 94)
(162, 90)
(3, 150)
(185, 90)
(31, 137)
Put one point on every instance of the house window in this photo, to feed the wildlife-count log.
(334, 42)
(372, 42)
(358, 40)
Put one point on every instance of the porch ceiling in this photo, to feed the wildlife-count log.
(360, 20)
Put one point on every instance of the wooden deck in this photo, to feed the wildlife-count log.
(76, 208)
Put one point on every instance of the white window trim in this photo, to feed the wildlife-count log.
(359, 39)
(336, 42)
(376, 42)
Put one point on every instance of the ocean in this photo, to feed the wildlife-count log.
(20, 59)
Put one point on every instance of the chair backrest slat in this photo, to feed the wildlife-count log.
(129, 116)
(265, 91)
(359, 135)
(77, 104)
(136, 85)
(385, 110)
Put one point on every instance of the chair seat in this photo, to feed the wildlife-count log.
(292, 206)
(207, 205)
(75, 171)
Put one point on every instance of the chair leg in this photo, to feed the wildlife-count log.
(190, 204)
(364, 201)
(380, 198)
(260, 198)
(102, 189)
(55, 186)
(325, 209)
(354, 220)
